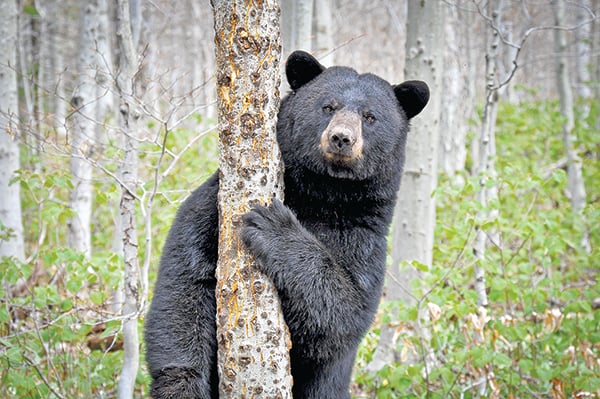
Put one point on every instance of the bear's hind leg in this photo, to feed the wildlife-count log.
(181, 383)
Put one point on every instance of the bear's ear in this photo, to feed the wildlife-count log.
(412, 96)
(301, 68)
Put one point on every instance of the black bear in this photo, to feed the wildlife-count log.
(342, 136)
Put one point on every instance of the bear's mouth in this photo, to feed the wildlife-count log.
(340, 159)
(341, 166)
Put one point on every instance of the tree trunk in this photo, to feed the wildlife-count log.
(105, 102)
(85, 124)
(415, 211)
(323, 32)
(10, 199)
(576, 185)
(486, 153)
(583, 44)
(414, 218)
(253, 340)
(454, 120)
(128, 118)
(595, 67)
(298, 22)
(59, 60)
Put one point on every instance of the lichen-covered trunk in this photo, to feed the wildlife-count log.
(253, 340)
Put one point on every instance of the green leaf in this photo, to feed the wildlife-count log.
(73, 286)
(30, 9)
(66, 305)
(4, 316)
(97, 298)
(526, 365)
(579, 307)
(501, 360)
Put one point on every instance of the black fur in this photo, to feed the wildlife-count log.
(324, 249)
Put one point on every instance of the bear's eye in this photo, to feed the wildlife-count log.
(369, 117)
(328, 109)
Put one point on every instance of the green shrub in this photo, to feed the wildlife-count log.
(540, 334)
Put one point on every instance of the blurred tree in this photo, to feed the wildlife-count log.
(253, 353)
(297, 25)
(414, 218)
(583, 44)
(576, 185)
(323, 29)
(129, 114)
(486, 147)
(11, 225)
(458, 96)
(91, 102)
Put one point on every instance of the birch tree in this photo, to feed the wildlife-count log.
(414, 218)
(298, 23)
(11, 225)
(457, 97)
(575, 181)
(583, 44)
(129, 114)
(85, 124)
(486, 148)
(323, 29)
(253, 340)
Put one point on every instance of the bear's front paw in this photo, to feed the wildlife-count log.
(267, 228)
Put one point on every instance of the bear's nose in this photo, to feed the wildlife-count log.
(342, 139)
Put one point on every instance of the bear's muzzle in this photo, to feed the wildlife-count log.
(342, 140)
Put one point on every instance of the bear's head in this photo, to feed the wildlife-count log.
(342, 124)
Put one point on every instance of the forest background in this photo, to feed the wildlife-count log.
(492, 289)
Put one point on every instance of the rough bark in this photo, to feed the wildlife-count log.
(10, 199)
(253, 340)
(414, 217)
(128, 118)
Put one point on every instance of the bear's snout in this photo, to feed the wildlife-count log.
(342, 139)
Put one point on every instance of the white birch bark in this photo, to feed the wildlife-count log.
(595, 68)
(576, 186)
(103, 75)
(323, 28)
(415, 210)
(485, 163)
(59, 61)
(583, 44)
(84, 129)
(297, 24)
(10, 197)
(414, 217)
(128, 118)
(452, 148)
